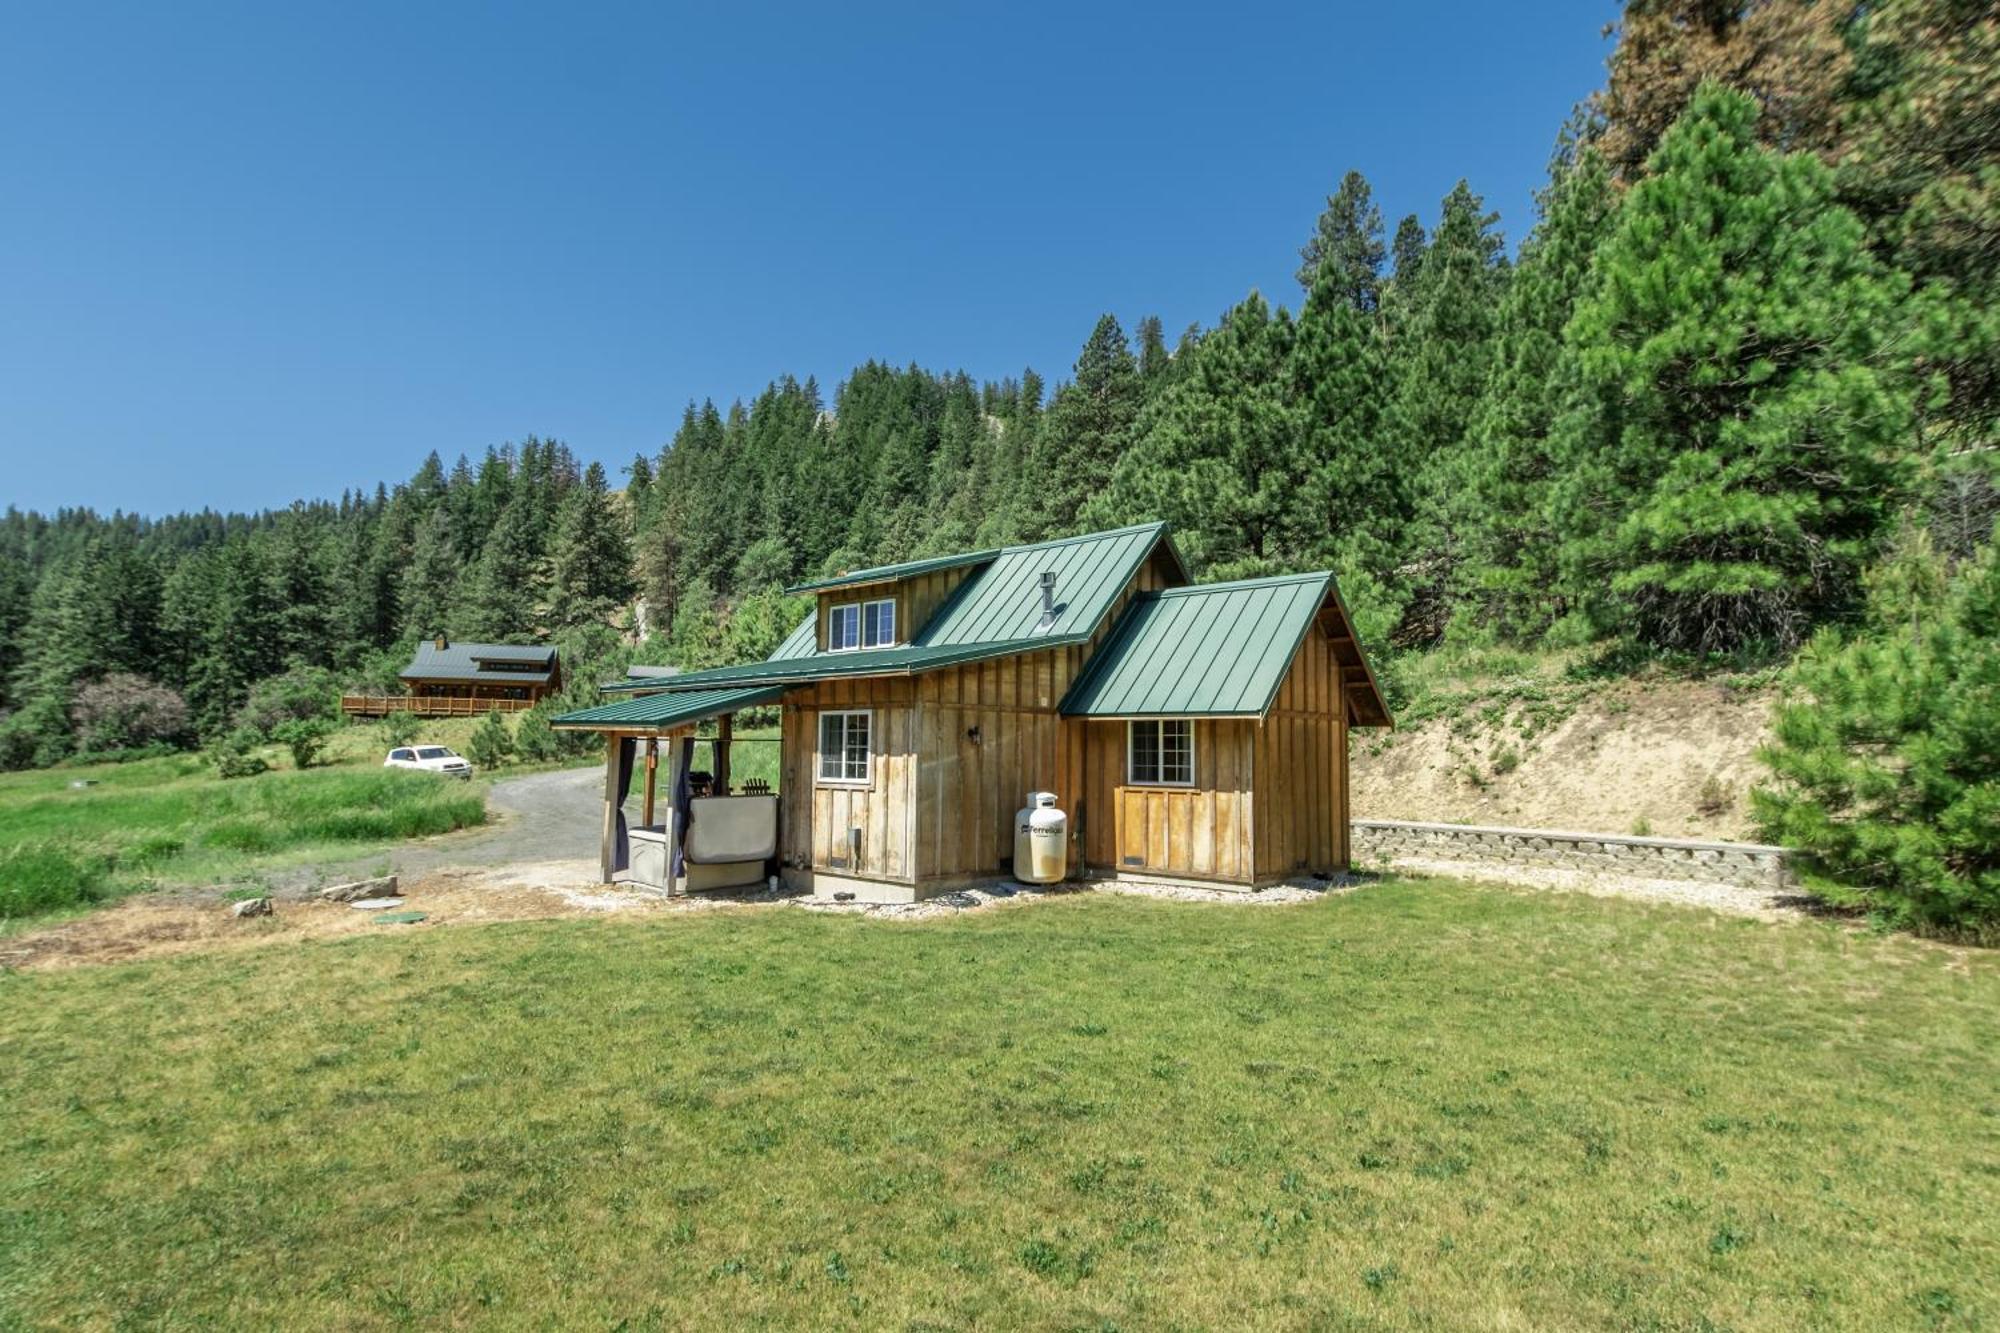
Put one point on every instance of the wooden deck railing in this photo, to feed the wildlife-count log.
(381, 705)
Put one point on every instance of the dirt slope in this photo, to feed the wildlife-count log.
(1675, 759)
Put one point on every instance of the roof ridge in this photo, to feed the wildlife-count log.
(1261, 581)
(1126, 531)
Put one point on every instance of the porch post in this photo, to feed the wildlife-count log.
(725, 728)
(652, 775)
(609, 834)
(676, 773)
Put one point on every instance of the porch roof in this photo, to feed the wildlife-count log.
(664, 711)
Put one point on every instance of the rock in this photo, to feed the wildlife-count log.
(251, 907)
(384, 887)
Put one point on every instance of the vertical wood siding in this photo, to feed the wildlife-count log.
(1301, 765)
(814, 819)
(1269, 799)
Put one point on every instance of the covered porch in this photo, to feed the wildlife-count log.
(697, 827)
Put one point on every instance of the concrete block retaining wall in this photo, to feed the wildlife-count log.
(1742, 864)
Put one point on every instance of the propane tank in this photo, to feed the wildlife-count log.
(1041, 840)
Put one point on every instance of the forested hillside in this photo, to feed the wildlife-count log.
(1746, 351)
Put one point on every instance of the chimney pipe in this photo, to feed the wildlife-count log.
(1048, 594)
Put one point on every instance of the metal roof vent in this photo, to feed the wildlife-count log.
(1048, 583)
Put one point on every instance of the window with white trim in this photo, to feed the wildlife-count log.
(844, 747)
(1159, 752)
(855, 625)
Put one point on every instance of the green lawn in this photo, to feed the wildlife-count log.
(1424, 1105)
(171, 821)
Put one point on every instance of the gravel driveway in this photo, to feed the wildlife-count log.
(537, 818)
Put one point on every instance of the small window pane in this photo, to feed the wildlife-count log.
(1145, 752)
(857, 747)
(878, 624)
(831, 743)
(843, 628)
(1177, 751)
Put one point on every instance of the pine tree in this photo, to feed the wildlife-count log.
(590, 577)
(1355, 501)
(429, 587)
(1407, 252)
(1217, 454)
(1509, 524)
(1349, 236)
(1886, 751)
(499, 603)
(16, 586)
(1919, 165)
(1087, 429)
(1439, 358)
(1732, 454)
(1156, 362)
(1793, 55)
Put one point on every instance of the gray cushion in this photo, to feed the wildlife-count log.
(732, 828)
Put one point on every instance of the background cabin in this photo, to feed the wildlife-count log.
(447, 679)
(1191, 732)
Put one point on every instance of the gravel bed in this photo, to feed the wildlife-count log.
(1727, 898)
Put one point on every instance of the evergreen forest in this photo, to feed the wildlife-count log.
(1732, 397)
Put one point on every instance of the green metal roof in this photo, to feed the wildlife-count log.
(801, 642)
(662, 711)
(996, 612)
(1213, 650)
(885, 573)
(1003, 602)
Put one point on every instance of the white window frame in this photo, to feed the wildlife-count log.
(1132, 779)
(860, 610)
(843, 778)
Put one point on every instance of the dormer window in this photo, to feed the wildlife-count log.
(855, 625)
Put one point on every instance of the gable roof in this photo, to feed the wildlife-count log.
(467, 661)
(1003, 602)
(995, 612)
(1217, 650)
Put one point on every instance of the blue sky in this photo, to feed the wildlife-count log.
(255, 252)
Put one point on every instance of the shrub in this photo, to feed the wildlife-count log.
(236, 755)
(123, 711)
(1716, 796)
(492, 744)
(305, 737)
(41, 877)
(400, 729)
(535, 738)
(303, 693)
(1886, 751)
(34, 735)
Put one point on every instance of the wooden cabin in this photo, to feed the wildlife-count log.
(1192, 732)
(448, 679)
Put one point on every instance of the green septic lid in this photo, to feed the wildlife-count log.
(398, 918)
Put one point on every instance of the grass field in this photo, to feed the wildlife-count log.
(1423, 1105)
(171, 821)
